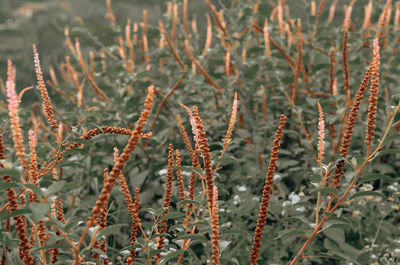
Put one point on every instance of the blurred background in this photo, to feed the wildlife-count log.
(42, 22)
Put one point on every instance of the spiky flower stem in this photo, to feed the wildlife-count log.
(262, 217)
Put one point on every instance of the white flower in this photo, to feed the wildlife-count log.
(242, 188)
(294, 198)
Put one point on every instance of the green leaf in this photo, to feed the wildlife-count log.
(290, 233)
(72, 223)
(55, 187)
(173, 215)
(39, 210)
(190, 201)
(192, 237)
(8, 185)
(110, 229)
(366, 193)
(336, 222)
(171, 255)
(38, 191)
(63, 246)
(374, 177)
(5, 215)
(187, 168)
(387, 152)
(235, 231)
(155, 252)
(9, 172)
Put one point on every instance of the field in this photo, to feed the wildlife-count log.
(255, 132)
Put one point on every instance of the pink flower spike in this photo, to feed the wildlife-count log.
(193, 123)
(321, 134)
(32, 138)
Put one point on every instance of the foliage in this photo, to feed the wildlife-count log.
(76, 211)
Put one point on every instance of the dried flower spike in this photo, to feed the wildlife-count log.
(262, 218)
(373, 98)
(321, 134)
(205, 149)
(48, 108)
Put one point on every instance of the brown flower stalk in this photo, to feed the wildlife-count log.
(194, 156)
(134, 229)
(367, 15)
(396, 17)
(60, 217)
(262, 217)
(201, 69)
(99, 93)
(299, 60)
(179, 178)
(171, 47)
(2, 156)
(167, 199)
(208, 36)
(145, 43)
(48, 108)
(185, 18)
(110, 13)
(346, 26)
(20, 226)
(231, 124)
(373, 98)
(320, 9)
(102, 201)
(266, 39)
(331, 69)
(210, 187)
(332, 11)
(348, 133)
(33, 168)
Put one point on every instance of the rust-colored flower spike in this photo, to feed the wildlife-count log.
(13, 106)
(20, 226)
(194, 126)
(167, 198)
(184, 134)
(320, 9)
(99, 93)
(346, 26)
(33, 168)
(231, 124)
(332, 11)
(48, 108)
(321, 135)
(134, 229)
(195, 159)
(262, 217)
(373, 98)
(205, 149)
(348, 132)
(2, 156)
(179, 178)
(266, 39)
(123, 158)
(60, 217)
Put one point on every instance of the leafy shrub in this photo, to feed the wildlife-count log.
(264, 85)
